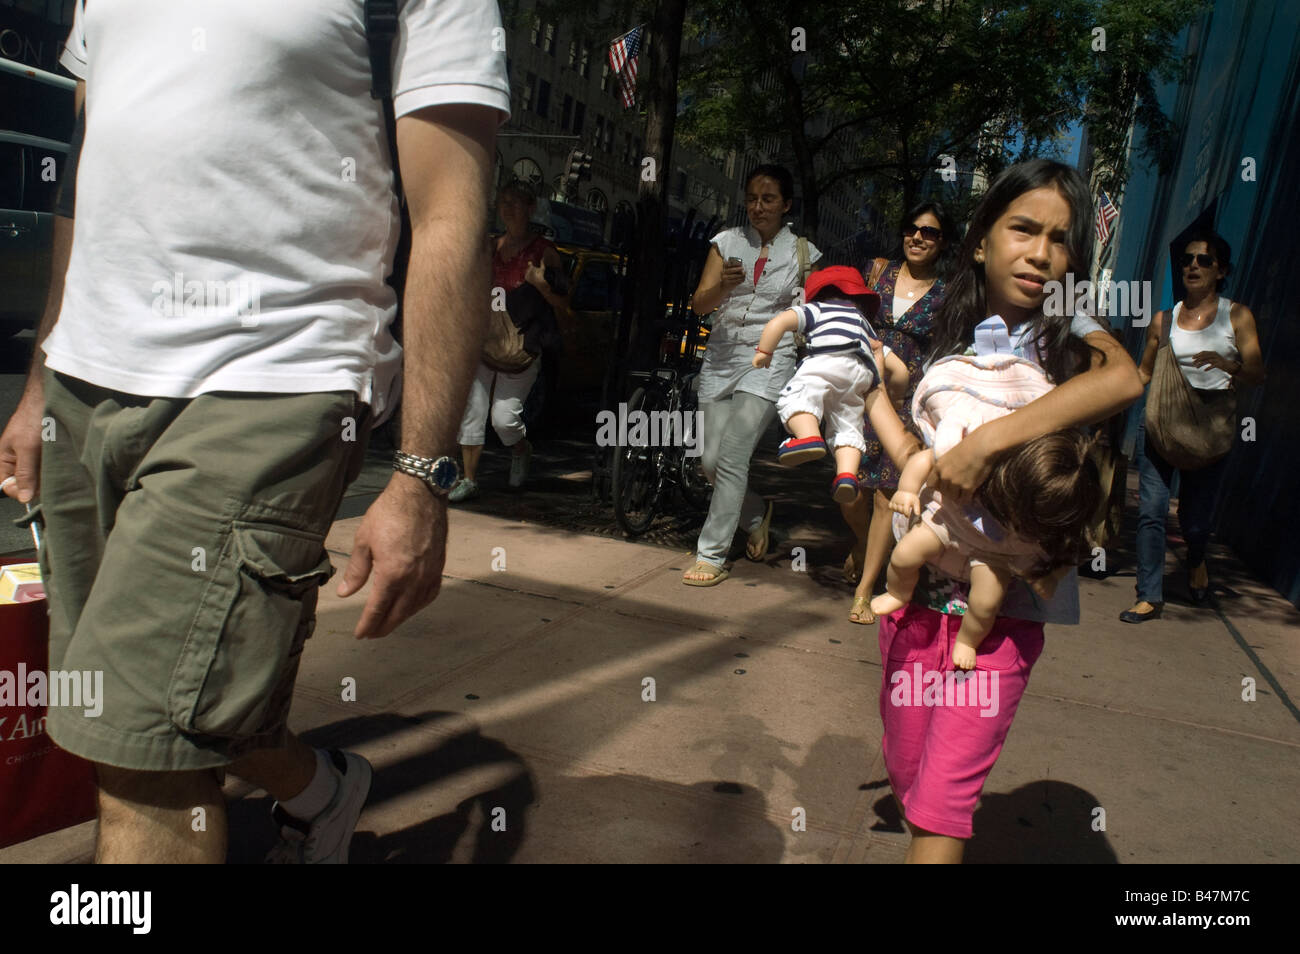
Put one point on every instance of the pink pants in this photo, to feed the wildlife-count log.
(941, 736)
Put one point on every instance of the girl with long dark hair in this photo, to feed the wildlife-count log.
(1032, 227)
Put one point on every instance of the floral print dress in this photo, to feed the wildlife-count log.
(909, 337)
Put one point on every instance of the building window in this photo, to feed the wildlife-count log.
(604, 76)
(548, 40)
(600, 131)
(566, 113)
(573, 52)
(579, 114)
(609, 136)
(537, 30)
(596, 201)
(543, 98)
(526, 97)
(584, 65)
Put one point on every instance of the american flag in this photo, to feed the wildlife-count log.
(622, 59)
(1106, 213)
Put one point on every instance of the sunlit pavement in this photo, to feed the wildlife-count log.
(513, 719)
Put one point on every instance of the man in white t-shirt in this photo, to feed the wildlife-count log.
(214, 359)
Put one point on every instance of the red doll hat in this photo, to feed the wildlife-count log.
(847, 280)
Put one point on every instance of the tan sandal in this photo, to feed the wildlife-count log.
(852, 572)
(718, 574)
(764, 533)
(861, 603)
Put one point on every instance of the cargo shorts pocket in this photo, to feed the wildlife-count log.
(247, 631)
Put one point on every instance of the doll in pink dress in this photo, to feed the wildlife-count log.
(1029, 518)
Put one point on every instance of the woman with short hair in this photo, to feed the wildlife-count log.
(753, 272)
(1217, 347)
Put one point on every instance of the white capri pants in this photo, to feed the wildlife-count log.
(507, 393)
(833, 388)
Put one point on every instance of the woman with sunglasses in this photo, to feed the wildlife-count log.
(752, 274)
(910, 292)
(1216, 345)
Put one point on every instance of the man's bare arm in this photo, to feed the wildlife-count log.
(446, 157)
(445, 154)
(20, 446)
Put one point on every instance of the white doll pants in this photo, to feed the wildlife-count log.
(833, 388)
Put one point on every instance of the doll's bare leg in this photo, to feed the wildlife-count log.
(918, 547)
(847, 460)
(803, 425)
(988, 587)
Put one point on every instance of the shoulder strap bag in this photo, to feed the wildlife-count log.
(878, 267)
(1189, 427)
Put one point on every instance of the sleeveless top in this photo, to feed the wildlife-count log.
(509, 273)
(1217, 336)
(739, 320)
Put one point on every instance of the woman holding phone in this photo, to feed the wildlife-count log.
(753, 272)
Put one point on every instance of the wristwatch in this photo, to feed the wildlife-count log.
(439, 473)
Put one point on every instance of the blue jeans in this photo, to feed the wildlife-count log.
(1197, 493)
(732, 429)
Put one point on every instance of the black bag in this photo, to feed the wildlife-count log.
(380, 21)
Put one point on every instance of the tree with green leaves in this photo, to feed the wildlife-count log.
(877, 95)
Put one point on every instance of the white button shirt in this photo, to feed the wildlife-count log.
(739, 320)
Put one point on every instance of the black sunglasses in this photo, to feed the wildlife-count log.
(1202, 259)
(928, 232)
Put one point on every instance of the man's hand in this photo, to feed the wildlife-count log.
(403, 538)
(20, 446)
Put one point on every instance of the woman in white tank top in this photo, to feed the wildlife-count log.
(1216, 345)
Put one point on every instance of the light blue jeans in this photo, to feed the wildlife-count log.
(732, 429)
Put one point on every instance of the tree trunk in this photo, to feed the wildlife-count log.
(659, 87)
(805, 167)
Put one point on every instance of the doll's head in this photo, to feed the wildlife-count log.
(1047, 490)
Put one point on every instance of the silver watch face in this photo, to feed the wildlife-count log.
(444, 472)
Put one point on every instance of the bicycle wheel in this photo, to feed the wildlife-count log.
(696, 489)
(634, 480)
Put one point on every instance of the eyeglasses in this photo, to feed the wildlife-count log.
(928, 232)
(1202, 259)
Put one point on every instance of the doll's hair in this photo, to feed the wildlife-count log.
(965, 302)
(1047, 490)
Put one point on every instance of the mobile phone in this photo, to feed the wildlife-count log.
(733, 261)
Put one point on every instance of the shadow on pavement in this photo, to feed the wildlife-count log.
(1044, 822)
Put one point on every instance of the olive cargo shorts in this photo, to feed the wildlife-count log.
(183, 550)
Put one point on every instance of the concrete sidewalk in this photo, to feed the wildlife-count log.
(521, 690)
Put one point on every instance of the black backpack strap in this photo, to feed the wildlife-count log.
(381, 29)
(380, 20)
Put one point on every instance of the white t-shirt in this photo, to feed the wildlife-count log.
(235, 215)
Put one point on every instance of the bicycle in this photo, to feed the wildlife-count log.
(644, 475)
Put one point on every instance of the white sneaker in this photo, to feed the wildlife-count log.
(519, 465)
(325, 840)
